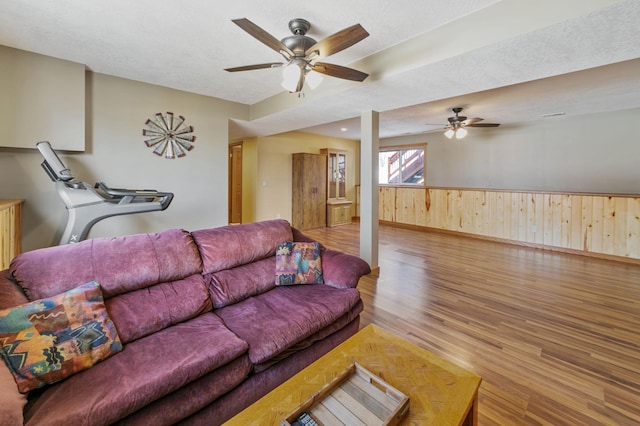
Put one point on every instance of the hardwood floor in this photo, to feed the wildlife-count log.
(555, 336)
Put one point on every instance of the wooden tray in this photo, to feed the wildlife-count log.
(355, 397)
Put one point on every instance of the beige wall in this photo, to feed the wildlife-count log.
(116, 112)
(589, 153)
(40, 98)
(274, 170)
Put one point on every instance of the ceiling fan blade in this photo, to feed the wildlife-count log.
(484, 125)
(262, 36)
(471, 121)
(254, 67)
(339, 71)
(338, 41)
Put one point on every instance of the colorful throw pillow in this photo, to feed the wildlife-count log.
(298, 263)
(50, 339)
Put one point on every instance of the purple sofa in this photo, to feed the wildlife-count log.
(205, 331)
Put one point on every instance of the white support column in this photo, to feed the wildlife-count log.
(369, 144)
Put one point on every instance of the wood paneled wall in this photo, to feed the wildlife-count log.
(594, 224)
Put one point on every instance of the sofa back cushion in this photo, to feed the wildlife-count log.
(145, 311)
(231, 246)
(149, 281)
(119, 264)
(233, 285)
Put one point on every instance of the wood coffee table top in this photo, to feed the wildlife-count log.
(440, 392)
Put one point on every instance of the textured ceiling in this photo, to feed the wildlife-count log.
(507, 61)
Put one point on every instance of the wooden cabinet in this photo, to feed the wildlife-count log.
(336, 173)
(309, 191)
(10, 222)
(338, 207)
(338, 212)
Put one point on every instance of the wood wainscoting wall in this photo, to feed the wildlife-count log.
(594, 224)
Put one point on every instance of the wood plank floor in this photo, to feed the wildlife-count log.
(555, 336)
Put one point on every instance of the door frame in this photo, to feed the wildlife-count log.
(235, 173)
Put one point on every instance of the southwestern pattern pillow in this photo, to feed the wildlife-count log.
(50, 339)
(298, 263)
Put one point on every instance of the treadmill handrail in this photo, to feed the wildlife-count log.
(166, 200)
(129, 195)
(121, 192)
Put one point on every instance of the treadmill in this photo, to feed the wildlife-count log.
(87, 205)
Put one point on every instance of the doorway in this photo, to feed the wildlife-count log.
(235, 183)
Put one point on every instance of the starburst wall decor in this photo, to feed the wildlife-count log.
(170, 136)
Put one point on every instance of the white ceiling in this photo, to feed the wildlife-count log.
(507, 61)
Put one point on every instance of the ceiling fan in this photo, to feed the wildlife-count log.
(301, 53)
(457, 124)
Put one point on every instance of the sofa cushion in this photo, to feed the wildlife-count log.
(146, 370)
(12, 402)
(274, 321)
(230, 246)
(119, 264)
(145, 311)
(50, 339)
(192, 397)
(335, 326)
(232, 285)
(258, 385)
(298, 263)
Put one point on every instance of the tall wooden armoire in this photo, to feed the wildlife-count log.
(309, 191)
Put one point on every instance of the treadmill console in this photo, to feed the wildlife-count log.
(52, 164)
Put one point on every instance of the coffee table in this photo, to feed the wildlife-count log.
(441, 393)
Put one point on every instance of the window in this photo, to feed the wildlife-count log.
(402, 165)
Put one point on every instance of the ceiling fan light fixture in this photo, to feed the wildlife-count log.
(449, 133)
(313, 79)
(461, 133)
(291, 75)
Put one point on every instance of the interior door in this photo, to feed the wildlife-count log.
(235, 183)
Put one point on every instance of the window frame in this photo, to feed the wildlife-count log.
(406, 147)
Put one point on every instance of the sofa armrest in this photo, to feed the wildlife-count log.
(12, 402)
(339, 269)
(342, 270)
(10, 292)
